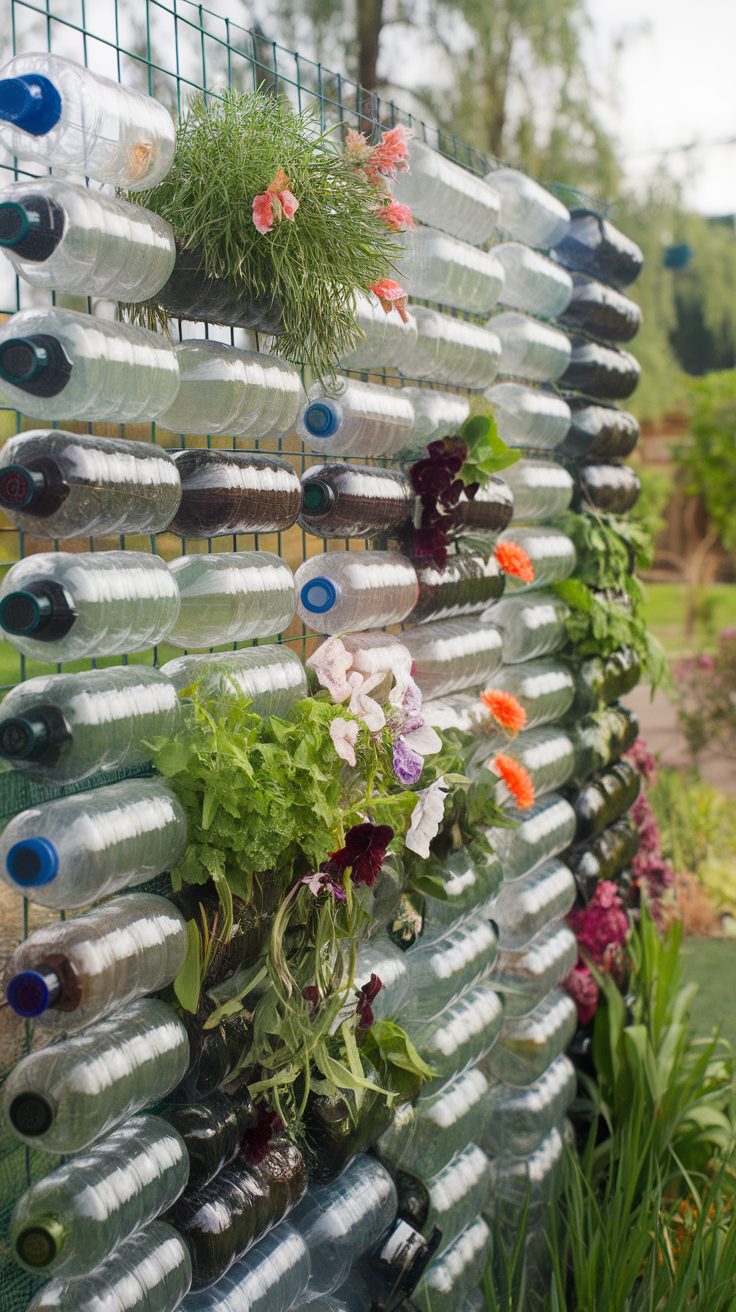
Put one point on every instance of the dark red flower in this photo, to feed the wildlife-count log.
(430, 544)
(366, 995)
(430, 478)
(451, 451)
(310, 993)
(257, 1141)
(364, 851)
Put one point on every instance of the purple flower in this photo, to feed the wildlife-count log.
(407, 765)
(324, 882)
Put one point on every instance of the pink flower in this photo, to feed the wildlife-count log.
(391, 296)
(263, 212)
(583, 990)
(324, 882)
(602, 927)
(344, 735)
(331, 663)
(274, 204)
(363, 706)
(391, 155)
(396, 215)
(358, 149)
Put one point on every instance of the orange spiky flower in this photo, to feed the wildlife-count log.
(505, 709)
(513, 560)
(517, 780)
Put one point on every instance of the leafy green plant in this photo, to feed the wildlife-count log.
(709, 459)
(698, 830)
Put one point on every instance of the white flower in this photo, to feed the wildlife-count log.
(344, 734)
(424, 741)
(364, 706)
(426, 818)
(331, 663)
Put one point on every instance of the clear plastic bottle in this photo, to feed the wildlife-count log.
(542, 489)
(55, 484)
(470, 879)
(68, 974)
(228, 596)
(435, 267)
(463, 1034)
(604, 799)
(530, 1182)
(451, 655)
(551, 552)
(531, 281)
(150, 1272)
(605, 857)
(450, 350)
(225, 492)
(488, 512)
(466, 585)
(524, 976)
(457, 1194)
(64, 237)
(593, 245)
(66, 116)
(528, 416)
(74, 1218)
(62, 728)
(456, 1272)
(602, 680)
(443, 1124)
(341, 1221)
(529, 348)
(344, 416)
(212, 1130)
(529, 212)
(601, 737)
(548, 754)
(604, 372)
(355, 590)
(545, 689)
(436, 414)
(58, 364)
(447, 196)
(386, 340)
(544, 831)
(272, 677)
(380, 956)
(58, 606)
(524, 906)
(611, 488)
(601, 311)
(527, 1045)
(444, 967)
(461, 710)
(270, 1278)
(519, 1119)
(69, 1094)
(226, 390)
(354, 501)
(531, 625)
(375, 652)
(599, 432)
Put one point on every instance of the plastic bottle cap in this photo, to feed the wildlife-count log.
(24, 612)
(19, 486)
(318, 497)
(22, 359)
(318, 595)
(14, 223)
(30, 102)
(31, 992)
(31, 1114)
(32, 862)
(39, 1244)
(321, 419)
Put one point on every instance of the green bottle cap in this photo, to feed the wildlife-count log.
(39, 1244)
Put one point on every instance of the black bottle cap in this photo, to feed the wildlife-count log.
(32, 226)
(31, 1114)
(37, 364)
(42, 610)
(35, 735)
(318, 497)
(20, 486)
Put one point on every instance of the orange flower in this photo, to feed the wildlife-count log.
(391, 297)
(516, 778)
(513, 560)
(505, 709)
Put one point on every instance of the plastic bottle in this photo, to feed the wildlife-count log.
(72, 1219)
(270, 1278)
(604, 799)
(529, 212)
(529, 417)
(529, 348)
(355, 590)
(532, 625)
(601, 737)
(531, 281)
(447, 196)
(57, 364)
(599, 432)
(444, 1123)
(524, 976)
(214, 1053)
(456, 1194)
(336, 1130)
(226, 390)
(451, 655)
(391, 1271)
(341, 1221)
(62, 728)
(460, 710)
(453, 1275)
(592, 245)
(605, 857)
(354, 501)
(527, 1045)
(527, 1181)
(58, 606)
(601, 311)
(462, 1034)
(442, 968)
(192, 292)
(489, 511)
(542, 490)
(55, 484)
(522, 1118)
(545, 830)
(548, 754)
(545, 689)
(524, 906)
(61, 236)
(71, 1093)
(611, 488)
(238, 943)
(600, 371)
(551, 552)
(466, 585)
(380, 956)
(470, 878)
(212, 1131)
(229, 596)
(450, 350)
(347, 417)
(221, 1220)
(385, 341)
(435, 267)
(150, 1272)
(598, 681)
(272, 677)
(226, 492)
(436, 414)
(68, 974)
(66, 116)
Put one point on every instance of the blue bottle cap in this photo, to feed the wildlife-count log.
(321, 418)
(30, 102)
(318, 595)
(32, 862)
(32, 992)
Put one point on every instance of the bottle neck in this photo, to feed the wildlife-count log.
(38, 487)
(32, 226)
(36, 364)
(42, 610)
(37, 735)
(38, 1244)
(318, 497)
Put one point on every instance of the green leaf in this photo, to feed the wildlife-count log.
(188, 982)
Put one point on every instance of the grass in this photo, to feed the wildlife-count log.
(665, 608)
(711, 964)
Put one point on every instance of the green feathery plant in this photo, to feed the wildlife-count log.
(228, 151)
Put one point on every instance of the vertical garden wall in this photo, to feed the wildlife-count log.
(319, 604)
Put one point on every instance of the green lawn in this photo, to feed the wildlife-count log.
(711, 964)
(666, 606)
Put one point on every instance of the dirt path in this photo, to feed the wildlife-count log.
(658, 720)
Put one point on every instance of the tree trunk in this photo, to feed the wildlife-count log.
(370, 22)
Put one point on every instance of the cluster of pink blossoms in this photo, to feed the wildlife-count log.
(601, 929)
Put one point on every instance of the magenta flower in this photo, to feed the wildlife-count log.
(257, 1141)
(602, 927)
(322, 881)
(583, 990)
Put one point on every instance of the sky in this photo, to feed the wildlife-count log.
(675, 84)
